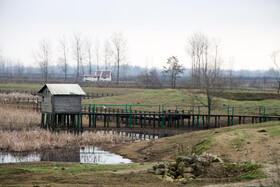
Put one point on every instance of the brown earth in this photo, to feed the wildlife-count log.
(234, 144)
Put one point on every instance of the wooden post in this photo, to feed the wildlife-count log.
(89, 116)
(215, 121)
(42, 119)
(67, 116)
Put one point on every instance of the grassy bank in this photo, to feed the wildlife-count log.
(240, 143)
(74, 174)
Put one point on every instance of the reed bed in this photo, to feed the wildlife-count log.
(16, 95)
(18, 119)
(24, 141)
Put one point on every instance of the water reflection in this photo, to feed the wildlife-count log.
(93, 155)
(9, 158)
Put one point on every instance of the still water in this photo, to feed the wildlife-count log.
(93, 155)
(87, 154)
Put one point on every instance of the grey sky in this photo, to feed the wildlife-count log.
(248, 30)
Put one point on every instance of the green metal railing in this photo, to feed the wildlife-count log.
(197, 111)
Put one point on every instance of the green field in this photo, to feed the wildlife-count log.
(179, 97)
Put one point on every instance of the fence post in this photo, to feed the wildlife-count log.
(228, 115)
(264, 120)
(260, 113)
(198, 111)
(130, 117)
(89, 116)
(93, 120)
(162, 119)
(126, 121)
(42, 120)
(158, 115)
(232, 120)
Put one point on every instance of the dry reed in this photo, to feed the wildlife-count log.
(15, 95)
(19, 141)
(17, 119)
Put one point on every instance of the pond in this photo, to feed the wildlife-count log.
(88, 154)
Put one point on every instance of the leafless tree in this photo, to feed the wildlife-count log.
(174, 69)
(230, 73)
(63, 59)
(89, 54)
(106, 54)
(19, 69)
(42, 57)
(2, 64)
(276, 70)
(149, 79)
(206, 64)
(118, 51)
(97, 53)
(77, 51)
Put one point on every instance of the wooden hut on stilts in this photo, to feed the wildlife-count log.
(61, 105)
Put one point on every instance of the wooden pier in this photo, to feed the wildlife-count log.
(165, 119)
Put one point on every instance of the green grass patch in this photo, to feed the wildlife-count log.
(241, 136)
(203, 145)
(274, 131)
(244, 171)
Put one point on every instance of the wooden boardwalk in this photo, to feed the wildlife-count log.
(147, 120)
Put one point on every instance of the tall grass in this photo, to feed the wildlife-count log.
(15, 95)
(12, 118)
(19, 141)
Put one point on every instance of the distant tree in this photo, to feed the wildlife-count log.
(2, 64)
(43, 58)
(149, 79)
(107, 54)
(63, 57)
(118, 51)
(77, 51)
(19, 70)
(206, 70)
(97, 53)
(276, 70)
(174, 69)
(89, 54)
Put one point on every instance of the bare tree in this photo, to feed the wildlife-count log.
(2, 64)
(206, 69)
(63, 60)
(97, 53)
(19, 70)
(276, 70)
(106, 54)
(230, 73)
(174, 69)
(149, 79)
(77, 50)
(42, 57)
(89, 54)
(118, 51)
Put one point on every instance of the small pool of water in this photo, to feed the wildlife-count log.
(88, 154)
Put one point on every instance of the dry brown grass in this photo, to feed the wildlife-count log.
(17, 119)
(15, 95)
(19, 141)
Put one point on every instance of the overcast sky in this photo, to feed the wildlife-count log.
(248, 30)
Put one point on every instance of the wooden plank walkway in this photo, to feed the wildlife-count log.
(147, 120)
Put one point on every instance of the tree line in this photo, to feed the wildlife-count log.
(82, 50)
